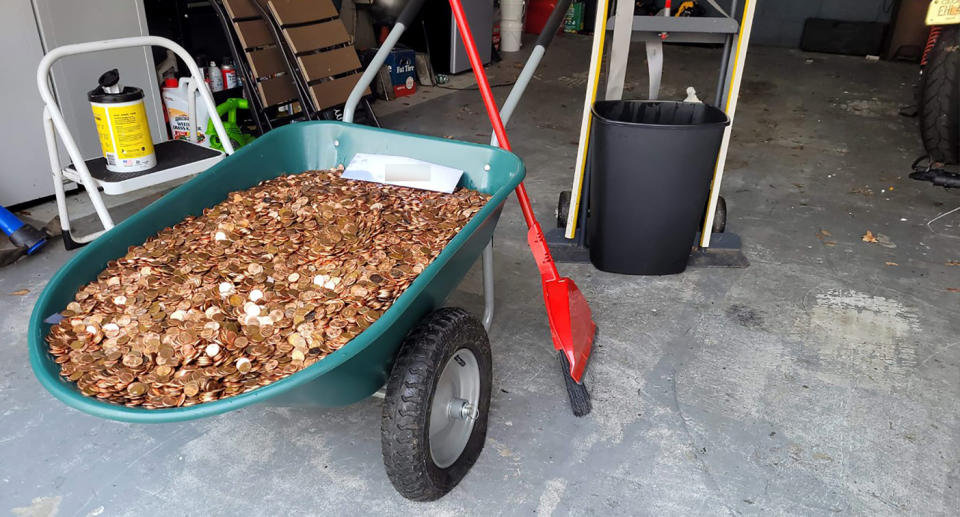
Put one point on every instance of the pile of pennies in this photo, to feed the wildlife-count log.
(257, 288)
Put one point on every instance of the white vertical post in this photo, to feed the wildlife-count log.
(593, 80)
(733, 93)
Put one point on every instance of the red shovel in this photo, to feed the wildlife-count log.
(571, 324)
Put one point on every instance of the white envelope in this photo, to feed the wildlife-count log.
(403, 172)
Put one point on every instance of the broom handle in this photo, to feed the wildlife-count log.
(535, 236)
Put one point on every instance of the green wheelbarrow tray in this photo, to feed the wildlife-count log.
(361, 367)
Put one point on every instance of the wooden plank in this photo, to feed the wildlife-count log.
(335, 92)
(277, 90)
(289, 12)
(266, 62)
(241, 9)
(319, 35)
(254, 33)
(329, 63)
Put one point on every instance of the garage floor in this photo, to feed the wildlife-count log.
(821, 380)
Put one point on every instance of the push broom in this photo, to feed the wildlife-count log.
(571, 324)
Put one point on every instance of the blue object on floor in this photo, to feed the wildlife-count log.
(21, 234)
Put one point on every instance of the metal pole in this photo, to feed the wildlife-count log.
(488, 298)
(743, 42)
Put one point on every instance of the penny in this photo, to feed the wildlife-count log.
(191, 389)
(243, 365)
(137, 389)
(163, 372)
(132, 360)
(254, 289)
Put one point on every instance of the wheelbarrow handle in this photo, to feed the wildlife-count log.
(533, 62)
(403, 21)
(553, 23)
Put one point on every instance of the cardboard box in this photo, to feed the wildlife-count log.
(402, 66)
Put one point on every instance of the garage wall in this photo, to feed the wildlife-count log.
(780, 22)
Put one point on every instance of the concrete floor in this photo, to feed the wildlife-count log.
(824, 379)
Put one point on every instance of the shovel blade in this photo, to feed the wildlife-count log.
(571, 323)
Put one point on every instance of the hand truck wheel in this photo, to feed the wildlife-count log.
(563, 208)
(720, 216)
(435, 410)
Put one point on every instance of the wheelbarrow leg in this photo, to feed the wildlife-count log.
(487, 259)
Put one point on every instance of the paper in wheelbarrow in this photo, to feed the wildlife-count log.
(403, 172)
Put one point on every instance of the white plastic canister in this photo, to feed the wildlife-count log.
(122, 124)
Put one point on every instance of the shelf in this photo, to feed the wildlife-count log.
(175, 159)
(682, 29)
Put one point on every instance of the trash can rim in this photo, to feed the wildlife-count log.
(593, 109)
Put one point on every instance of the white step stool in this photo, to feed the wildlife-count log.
(175, 158)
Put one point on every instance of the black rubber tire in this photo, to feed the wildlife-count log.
(940, 99)
(720, 216)
(563, 208)
(406, 409)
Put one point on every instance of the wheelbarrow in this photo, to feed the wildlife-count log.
(435, 362)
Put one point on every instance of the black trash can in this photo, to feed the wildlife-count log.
(651, 164)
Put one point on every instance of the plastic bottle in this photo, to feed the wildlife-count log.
(175, 98)
(216, 77)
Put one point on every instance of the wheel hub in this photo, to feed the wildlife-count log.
(455, 408)
(462, 409)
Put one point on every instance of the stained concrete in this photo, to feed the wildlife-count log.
(821, 380)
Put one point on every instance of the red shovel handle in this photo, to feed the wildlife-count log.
(535, 237)
(488, 101)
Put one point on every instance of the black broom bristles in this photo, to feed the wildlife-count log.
(579, 396)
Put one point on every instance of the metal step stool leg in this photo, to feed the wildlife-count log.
(69, 241)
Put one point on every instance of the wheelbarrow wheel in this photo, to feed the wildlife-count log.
(435, 411)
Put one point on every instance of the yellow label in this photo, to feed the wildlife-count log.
(103, 129)
(943, 12)
(131, 131)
